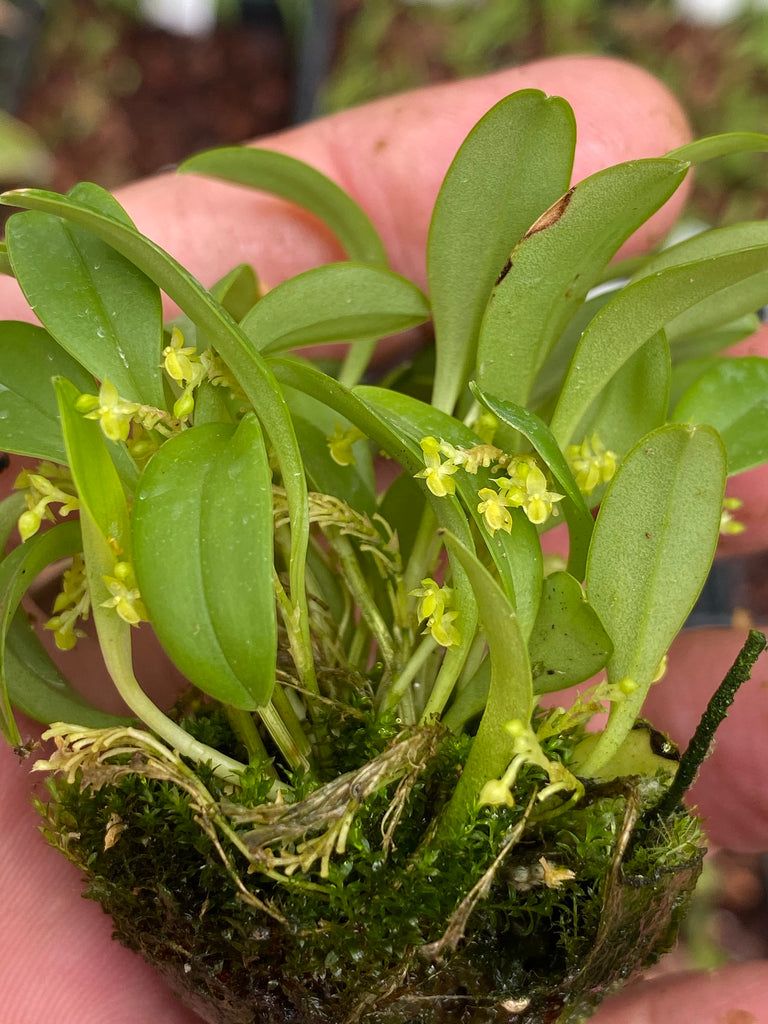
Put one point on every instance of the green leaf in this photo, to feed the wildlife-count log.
(29, 415)
(630, 319)
(729, 303)
(635, 400)
(653, 545)
(252, 373)
(103, 310)
(539, 435)
(337, 302)
(237, 291)
(713, 146)
(29, 680)
(38, 689)
(512, 166)
(510, 694)
(569, 643)
(96, 479)
(203, 537)
(558, 260)
(301, 184)
(732, 396)
(654, 542)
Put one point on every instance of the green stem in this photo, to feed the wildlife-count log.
(716, 711)
(453, 662)
(424, 552)
(357, 586)
(281, 722)
(391, 695)
(244, 728)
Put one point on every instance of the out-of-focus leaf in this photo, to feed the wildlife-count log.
(294, 180)
(637, 313)
(732, 396)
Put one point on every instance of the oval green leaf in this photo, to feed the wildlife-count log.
(100, 307)
(732, 396)
(512, 166)
(337, 302)
(559, 259)
(203, 552)
(29, 416)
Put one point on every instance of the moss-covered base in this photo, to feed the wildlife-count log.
(526, 916)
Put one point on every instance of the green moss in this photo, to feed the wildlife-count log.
(393, 932)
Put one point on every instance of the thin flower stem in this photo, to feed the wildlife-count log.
(389, 696)
(425, 549)
(355, 581)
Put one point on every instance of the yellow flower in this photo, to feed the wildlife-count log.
(340, 444)
(114, 415)
(539, 502)
(493, 508)
(591, 463)
(180, 361)
(43, 489)
(481, 455)
(729, 525)
(436, 472)
(434, 606)
(526, 488)
(125, 599)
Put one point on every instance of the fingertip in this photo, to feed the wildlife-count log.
(737, 994)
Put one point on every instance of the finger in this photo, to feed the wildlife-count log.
(57, 959)
(391, 155)
(734, 995)
(730, 792)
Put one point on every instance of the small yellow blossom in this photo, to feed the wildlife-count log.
(434, 606)
(114, 415)
(539, 502)
(481, 455)
(340, 444)
(125, 599)
(526, 488)
(592, 463)
(729, 525)
(493, 508)
(485, 426)
(436, 472)
(180, 362)
(72, 603)
(44, 487)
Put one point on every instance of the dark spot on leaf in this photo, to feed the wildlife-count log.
(550, 216)
(504, 271)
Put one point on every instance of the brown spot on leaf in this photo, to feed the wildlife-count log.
(550, 216)
(504, 271)
(739, 1017)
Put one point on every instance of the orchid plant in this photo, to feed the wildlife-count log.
(369, 734)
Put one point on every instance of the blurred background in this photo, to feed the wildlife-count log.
(111, 90)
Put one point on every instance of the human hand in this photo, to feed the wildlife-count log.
(56, 960)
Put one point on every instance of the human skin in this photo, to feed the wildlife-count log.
(57, 963)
